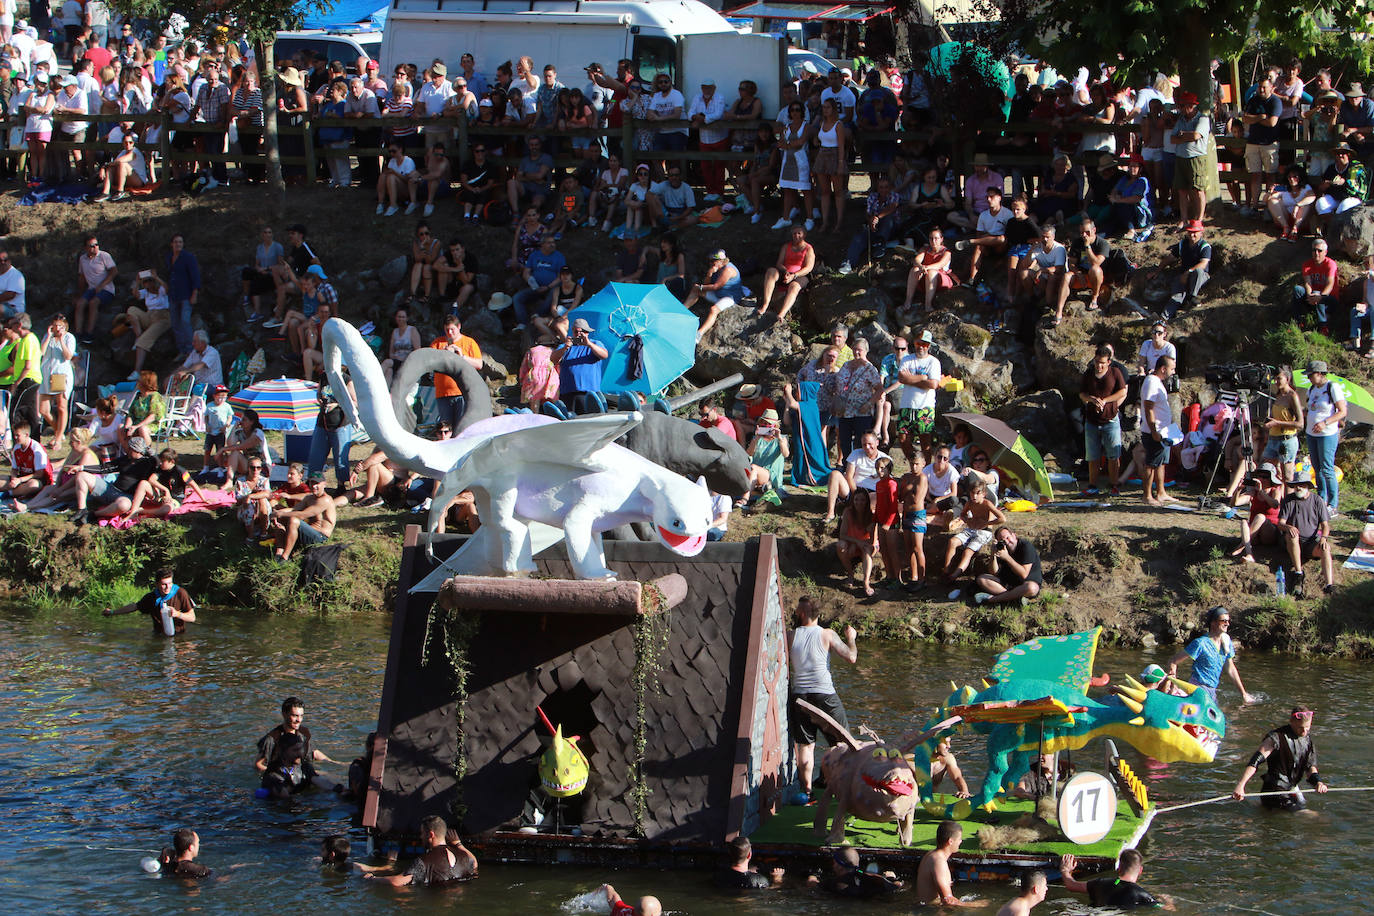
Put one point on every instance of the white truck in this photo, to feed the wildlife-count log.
(683, 38)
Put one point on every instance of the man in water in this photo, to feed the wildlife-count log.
(271, 764)
(166, 597)
(1292, 757)
(1034, 885)
(1212, 654)
(441, 863)
(847, 877)
(648, 906)
(934, 883)
(739, 876)
(180, 860)
(809, 654)
(1121, 891)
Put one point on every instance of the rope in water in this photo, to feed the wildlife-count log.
(1229, 906)
(1227, 797)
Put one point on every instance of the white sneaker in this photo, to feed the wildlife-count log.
(782, 223)
(271, 323)
(756, 218)
(391, 211)
(380, 208)
(429, 209)
(809, 224)
(606, 226)
(133, 376)
(410, 208)
(846, 269)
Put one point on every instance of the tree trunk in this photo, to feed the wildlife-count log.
(266, 53)
(1194, 44)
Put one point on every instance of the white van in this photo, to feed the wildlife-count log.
(684, 38)
(345, 45)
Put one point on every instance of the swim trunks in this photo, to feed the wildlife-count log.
(914, 522)
(917, 420)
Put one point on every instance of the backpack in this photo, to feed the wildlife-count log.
(1130, 408)
(1118, 269)
(320, 564)
(497, 213)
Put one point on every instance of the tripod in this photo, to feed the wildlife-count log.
(1242, 398)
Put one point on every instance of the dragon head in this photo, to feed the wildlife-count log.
(563, 767)
(1173, 728)
(682, 516)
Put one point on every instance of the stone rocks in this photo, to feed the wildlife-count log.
(992, 367)
(1352, 233)
(1041, 418)
(393, 272)
(741, 342)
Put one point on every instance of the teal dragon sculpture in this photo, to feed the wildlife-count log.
(1035, 700)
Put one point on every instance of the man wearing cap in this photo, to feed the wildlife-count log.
(1320, 289)
(837, 89)
(919, 374)
(1264, 496)
(289, 268)
(976, 192)
(1261, 116)
(1355, 122)
(72, 100)
(707, 108)
(1292, 758)
(580, 360)
(722, 287)
(430, 101)
(1343, 186)
(1191, 258)
(1326, 409)
(1191, 135)
(311, 522)
(150, 320)
(1305, 521)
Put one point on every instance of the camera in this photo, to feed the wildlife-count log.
(1171, 384)
(1234, 376)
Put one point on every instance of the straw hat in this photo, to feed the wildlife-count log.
(290, 76)
(497, 302)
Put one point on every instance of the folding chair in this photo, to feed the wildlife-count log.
(79, 398)
(177, 420)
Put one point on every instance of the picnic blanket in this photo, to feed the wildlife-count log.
(214, 499)
(56, 194)
(1361, 558)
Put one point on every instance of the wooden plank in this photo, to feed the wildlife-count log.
(765, 565)
(557, 596)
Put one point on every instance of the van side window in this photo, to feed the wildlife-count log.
(655, 54)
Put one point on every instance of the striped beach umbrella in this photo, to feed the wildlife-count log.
(282, 403)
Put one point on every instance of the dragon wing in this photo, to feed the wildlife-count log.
(1064, 660)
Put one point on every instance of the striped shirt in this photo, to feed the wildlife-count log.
(250, 102)
(212, 100)
(400, 106)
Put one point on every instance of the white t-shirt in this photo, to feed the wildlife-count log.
(845, 97)
(865, 468)
(1152, 392)
(435, 97)
(79, 102)
(941, 485)
(994, 223)
(1058, 256)
(12, 281)
(402, 168)
(663, 104)
(1151, 354)
(213, 373)
(154, 300)
(914, 398)
(1321, 405)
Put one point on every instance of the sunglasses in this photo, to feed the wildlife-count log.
(1302, 715)
(422, 233)
(900, 349)
(255, 467)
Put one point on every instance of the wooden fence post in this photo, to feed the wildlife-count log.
(462, 137)
(627, 143)
(164, 144)
(309, 146)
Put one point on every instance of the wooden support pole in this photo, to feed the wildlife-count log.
(559, 596)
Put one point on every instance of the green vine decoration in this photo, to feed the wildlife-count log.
(650, 640)
(454, 631)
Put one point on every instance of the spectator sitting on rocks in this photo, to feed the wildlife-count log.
(310, 523)
(796, 260)
(1014, 574)
(1343, 187)
(425, 251)
(930, 272)
(551, 324)
(1152, 348)
(1191, 257)
(31, 470)
(316, 290)
(860, 473)
(1021, 234)
(977, 514)
(678, 199)
(569, 203)
(722, 288)
(1305, 521)
(312, 346)
(643, 210)
(976, 192)
(289, 270)
(1130, 214)
(479, 179)
(1085, 268)
(608, 195)
(990, 236)
(880, 225)
(540, 274)
(1291, 203)
(1320, 289)
(202, 364)
(395, 181)
(530, 185)
(456, 273)
(95, 276)
(1263, 496)
(258, 280)
(1057, 197)
(404, 340)
(149, 321)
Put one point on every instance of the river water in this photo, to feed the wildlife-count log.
(110, 738)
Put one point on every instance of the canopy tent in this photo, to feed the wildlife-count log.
(342, 14)
(815, 12)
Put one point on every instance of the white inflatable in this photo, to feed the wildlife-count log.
(537, 480)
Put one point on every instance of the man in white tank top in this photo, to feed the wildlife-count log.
(809, 649)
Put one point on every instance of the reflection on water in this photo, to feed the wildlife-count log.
(109, 739)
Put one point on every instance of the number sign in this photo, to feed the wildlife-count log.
(1087, 808)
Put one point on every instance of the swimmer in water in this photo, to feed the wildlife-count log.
(1034, 886)
(648, 906)
(934, 883)
(1120, 890)
(334, 854)
(848, 879)
(180, 860)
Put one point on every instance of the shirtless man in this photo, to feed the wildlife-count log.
(1033, 887)
(934, 883)
(648, 906)
(310, 523)
(942, 764)
(912, 489)
(978, 515)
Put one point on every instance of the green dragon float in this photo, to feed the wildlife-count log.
(1035, 701)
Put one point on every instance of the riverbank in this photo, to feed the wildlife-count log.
(1146, 576)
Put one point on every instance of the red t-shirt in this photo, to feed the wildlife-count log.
(1328, 269)
(724, 424)
(99, 57)
(888, 504)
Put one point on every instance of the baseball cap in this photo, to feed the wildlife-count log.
(926, 337)
(317, 477)
(1317, 365)
(138, 445)
(581, 325)
(720, 255)
(438, 69)
(1152, 674)
(373, 65)
(317, 271)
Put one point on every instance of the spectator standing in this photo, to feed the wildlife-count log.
(12, 286)
(667, 104)
(213, 109)
(919, 374)
(361, 106)
(706, 111)
(448, 397)
(1261, 116)
(58, 349)
(333, 433)
(859, 388)
(794, 170)
(183, 290)
(430, 102)
(876, 113)
(831, 167)
(1102, 392)
(337, 140)
(1326, 411)
(1155, 418)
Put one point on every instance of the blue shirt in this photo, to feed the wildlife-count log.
(183, 276)
(1208, 661)
(544, 268)
(579, 370)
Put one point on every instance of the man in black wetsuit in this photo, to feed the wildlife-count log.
(1292, 757)
(291, 735)
(739, 876)
(180, 860)
(1120, 891)
(848, 879)
(441, 864)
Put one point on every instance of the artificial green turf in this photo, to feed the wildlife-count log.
(792, 825)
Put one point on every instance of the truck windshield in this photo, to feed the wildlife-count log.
(654, 54)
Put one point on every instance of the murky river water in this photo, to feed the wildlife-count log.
(109, 738)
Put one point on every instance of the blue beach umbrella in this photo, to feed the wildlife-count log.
(630, 317)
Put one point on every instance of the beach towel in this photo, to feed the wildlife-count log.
(810, 461)
(214, 499)
(56, 194)
(1361, 558)
(712, 217)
